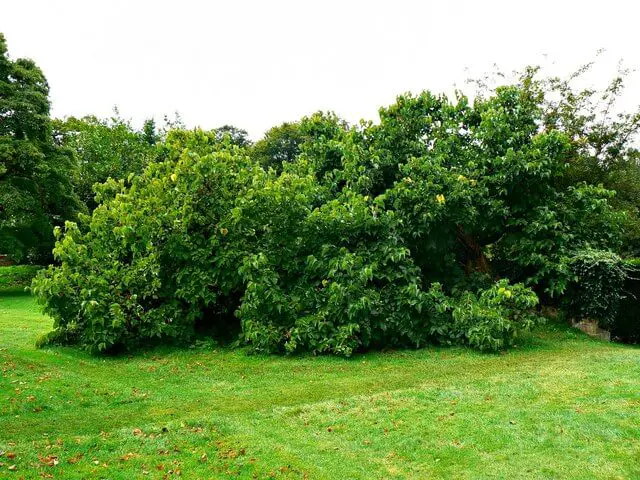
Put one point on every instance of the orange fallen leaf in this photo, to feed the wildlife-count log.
(49, 460)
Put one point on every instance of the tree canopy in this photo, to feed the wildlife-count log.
(438, 224)
(105, 148)
(36, 176)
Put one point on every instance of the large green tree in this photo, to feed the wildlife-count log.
(36, 190)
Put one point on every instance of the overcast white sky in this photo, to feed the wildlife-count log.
(255, 64)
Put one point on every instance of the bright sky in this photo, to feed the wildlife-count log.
(255, 64)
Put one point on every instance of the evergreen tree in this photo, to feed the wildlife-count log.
(36, 192)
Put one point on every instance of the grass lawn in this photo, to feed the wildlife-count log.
(559, 406)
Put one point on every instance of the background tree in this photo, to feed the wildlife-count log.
(36, 176)
(236, 136)
(105, 148)
(279, 145)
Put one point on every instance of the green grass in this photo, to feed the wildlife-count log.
(559, 406)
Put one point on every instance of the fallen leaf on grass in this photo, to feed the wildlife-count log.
(76, 458)
(228, 454)
(49, 460)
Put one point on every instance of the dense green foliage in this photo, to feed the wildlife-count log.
(377, 235)
(17, 277)
(604, 140)
(112, 148)
(280, 145)
(603, 136)
(447, 221)
(105, 148)
(598, 286)
(36, 176)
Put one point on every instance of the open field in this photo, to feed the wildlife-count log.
(561, 405)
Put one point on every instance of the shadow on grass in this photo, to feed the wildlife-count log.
(14, 291)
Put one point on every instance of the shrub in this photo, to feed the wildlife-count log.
(495, 318)
(336, 279)
(17, 277)
(606, 288)
(145, 266)
(597, 286)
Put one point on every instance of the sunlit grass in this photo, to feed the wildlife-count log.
(560, 405)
